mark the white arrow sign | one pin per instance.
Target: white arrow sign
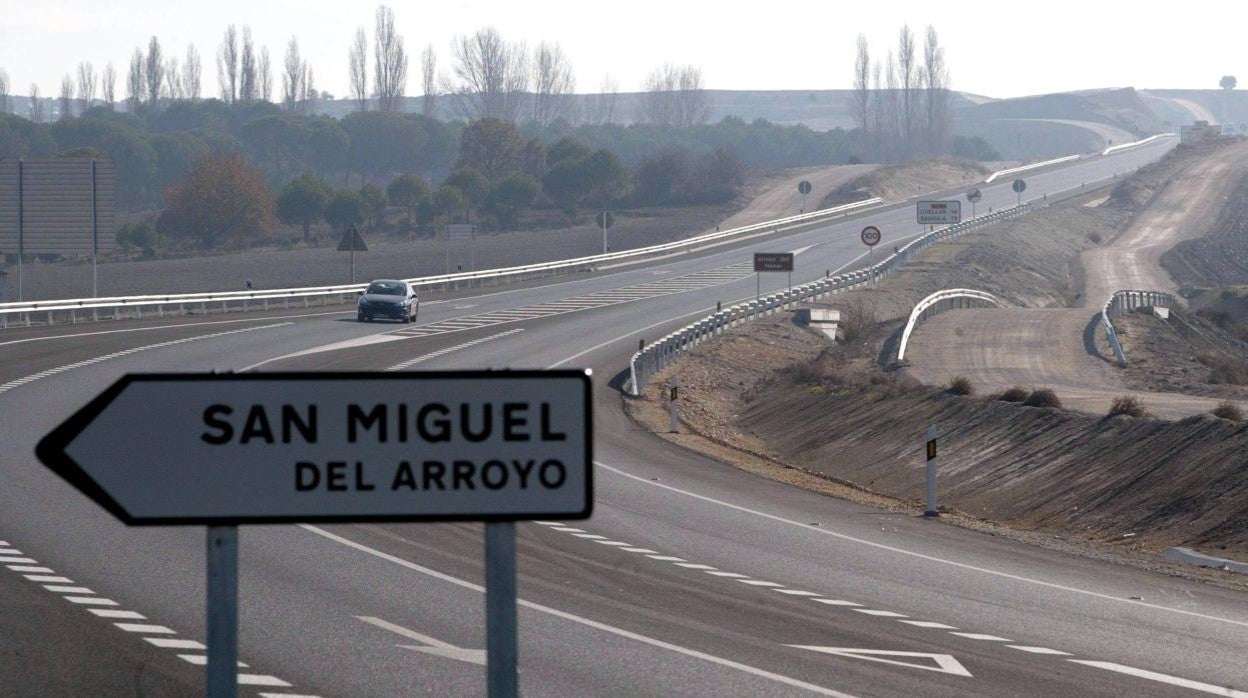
(945, 663)
(429, 645)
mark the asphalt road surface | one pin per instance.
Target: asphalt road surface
(692, 578)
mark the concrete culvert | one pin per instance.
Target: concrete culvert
(1042, 398)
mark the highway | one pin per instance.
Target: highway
(692, 577)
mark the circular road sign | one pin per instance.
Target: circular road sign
(803, 187)
(871, 236)
(1019, 186)
(605, 219)
(974, 196)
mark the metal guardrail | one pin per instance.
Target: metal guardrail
(939, 302)
(660, 354)
(1032, 166)
(1125, 302)
(1133, 144)
(244, 300)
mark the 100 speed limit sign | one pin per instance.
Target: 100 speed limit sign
(871, 236)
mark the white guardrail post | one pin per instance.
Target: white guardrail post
(1128, 301)
(770, 304)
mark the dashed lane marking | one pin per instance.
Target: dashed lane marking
(981, 636)
(1163, 678)
(157, 635)
(1038, 650)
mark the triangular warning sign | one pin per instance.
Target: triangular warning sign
(945, 663)
(352, 242)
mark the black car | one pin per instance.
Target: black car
(388, 298)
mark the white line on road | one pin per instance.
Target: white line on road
(117, 613)
(1038, 650)
(47, 578)
(1164, 678)
(981, 636)
(90, 601)
(447, 350)
(67, 590)
(145, 628)
(875, 612)
(627, 634)
(174, 643)
(28, 568)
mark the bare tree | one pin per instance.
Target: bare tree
(602, 106)
(390, 65)
(936, 105)
(909, 83)
(173, 79)
(108, 85)
(227, 65)
(4, 92)
(154, 71)
(135, 82)
(357, 70)
(892, 135)
(429, 82)
(674, 96)
(86, 84)
(265, 76)
(248, 86)
(66, 97)
(490, 76)
(862, 89)
(309, 97)
(36, 104)
(553, 84)
(293, 76)
(192, 72)
(877, 113)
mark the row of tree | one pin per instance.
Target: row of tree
(901, 105)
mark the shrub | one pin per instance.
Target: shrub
(1128, 406)
(857, 319)
(1042, 398)
(1229, 410)
(1094, 238)
(1015, 394)
(961, 385)
(1224, 370)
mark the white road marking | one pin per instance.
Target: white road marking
(795, 592)
(166, 327)
(590, 536)
(620, 632)
(694, 566)
(261, 680)
(90, 600)
(548, 523)
(46, 578)
(1164, 678)
(981, 636)
(117, 613)
(928, 624)
(882, 614)
(910, 553)
(202, 660)
(67, 590)
(28, 568)
(945, 663)
(174, 643)
(759, 583)
(1038, 650)
(666, 558)
(10, 551)
(611, 542)
(126, 352)
(24, 560)
(441, 352)
(836, 602)
(429, 645)
(569, 529)
(145, 628)
(729, 575)
(286, 695)
(640, 550)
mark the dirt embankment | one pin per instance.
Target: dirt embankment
(1221, 257)
(827, 419)
(900, 182)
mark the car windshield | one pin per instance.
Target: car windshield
(387, 288)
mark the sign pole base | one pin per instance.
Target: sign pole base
(502, 679)
(222, 674)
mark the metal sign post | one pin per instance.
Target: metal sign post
(930, 509)
(350, 242)
(228, 449)
(605, 220)
(1019, 187)
(803, 188)
(673, 391)
(974, 196)
(222, 606)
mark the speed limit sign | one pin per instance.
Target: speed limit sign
(871, 236)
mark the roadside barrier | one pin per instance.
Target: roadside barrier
(939, 302)
(651, 359)
(1125, 302)
(75, 309)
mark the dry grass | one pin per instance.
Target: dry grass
(1127, 405)
(1042, 398)
(1229, 410)
(1015, 394)
(961, 385)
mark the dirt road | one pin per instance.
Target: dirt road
(1062, 348)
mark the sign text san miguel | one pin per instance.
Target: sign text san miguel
(255, 448)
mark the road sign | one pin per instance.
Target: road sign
(1020, 186)
(871, 236)
(352, 241)
(773, 261)
(460, 231)
(974, 196)
(803, 187)
(605, 219)
(226, 449)
(939, 212)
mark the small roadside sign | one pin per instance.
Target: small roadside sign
(974, 196)
(939, 212)
(605, 219)
(773, 261)
(1020, 186)
(460, 231)
(803, 187)
(352, 241)
(871, 236)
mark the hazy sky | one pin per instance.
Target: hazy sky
(995, 49)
